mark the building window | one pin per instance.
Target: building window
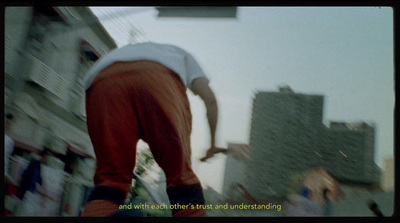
(87, 56)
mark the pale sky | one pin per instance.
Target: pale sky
(345, 54)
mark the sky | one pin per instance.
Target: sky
(342, 53)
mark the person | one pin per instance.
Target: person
(31, 178)
(303, 205)
(328, 204)
(139, 92)
(30, 192)
(8, 144)
(309, 205)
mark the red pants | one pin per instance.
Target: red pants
(144, 100)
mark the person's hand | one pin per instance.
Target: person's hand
(211, 152)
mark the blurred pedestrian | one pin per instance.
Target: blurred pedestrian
(302, 205)
(139, 92)
(31, 177)
(310, 207)
(8, 144)
(30, 191)
(327, 207)
(306, 192)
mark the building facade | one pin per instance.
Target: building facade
(288, 138)
(47, 53)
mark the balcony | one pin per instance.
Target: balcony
(46, 77)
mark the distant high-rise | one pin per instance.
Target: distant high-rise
(288, 137)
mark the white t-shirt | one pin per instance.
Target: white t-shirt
(175, 58)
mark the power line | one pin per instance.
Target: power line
(117, 24)
(134, 31)
(104, 17)
(123, 23)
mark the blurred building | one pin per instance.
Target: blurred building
(47, 52)
(288, 138)
(349, 152)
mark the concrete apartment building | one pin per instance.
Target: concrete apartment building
(47, 52)
(288, 138)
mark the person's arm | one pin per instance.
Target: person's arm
(200, 87)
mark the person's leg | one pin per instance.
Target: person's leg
(165, 122)
(113, 129)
